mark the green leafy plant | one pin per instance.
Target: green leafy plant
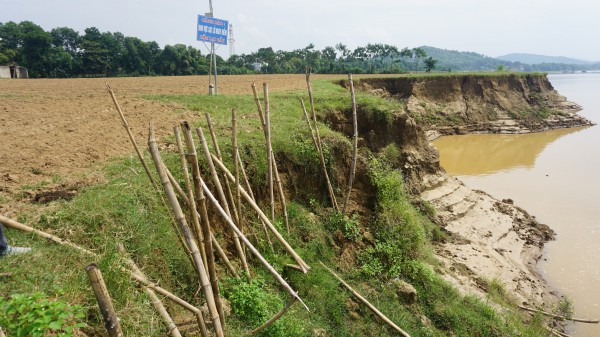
(350, 226)
(37, 315)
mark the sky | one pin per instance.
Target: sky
(493, 28)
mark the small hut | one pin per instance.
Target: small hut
(13, 71)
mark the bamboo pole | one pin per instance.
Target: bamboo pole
(318, 141)
(198, 263)
(6, 274)
(2, 332)
(172, 297)
(354, 145)
(109, 315)
(288, 248)
(369, 305)
(274, 318)
(213, 240)
(273, 161)
(252, 249)
(192, 206)
(215, 176)
(200, 202)
(269, 147)
(19, 226)
(156, 303)
(133, 142)
(247, 182)
(236, 165)
(562, 318)
(213, 137)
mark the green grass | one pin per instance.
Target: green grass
(125, 209)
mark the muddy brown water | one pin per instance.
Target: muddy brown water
(555, 176)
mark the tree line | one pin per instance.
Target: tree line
(64, 52)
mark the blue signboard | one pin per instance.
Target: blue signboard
(212, 30)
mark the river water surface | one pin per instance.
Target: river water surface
(555, 176)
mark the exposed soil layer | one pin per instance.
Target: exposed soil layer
(462, 104)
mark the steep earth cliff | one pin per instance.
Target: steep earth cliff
(489, 239)
(495, 103)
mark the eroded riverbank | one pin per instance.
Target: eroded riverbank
(553, 176)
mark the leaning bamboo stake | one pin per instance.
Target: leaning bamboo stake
(198, 263)
(288, 248)
(252, 249)
(236, 165)
(156, 303)
(192, 157)
(274, 318)
(2, 332)
(354, 145)
(264, 128)
(213, 137)
(133, 142)
(109, 315)
(215, 176)
(247, 182)
(562, 318)
(369, 305)
(269, 147)
(213, 240)
(19, 226)
(318, 141)
(192, 206)
(273, 161)
(173, 298)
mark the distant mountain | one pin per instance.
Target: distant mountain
(463, 61)
(453, 60)
(538, 59)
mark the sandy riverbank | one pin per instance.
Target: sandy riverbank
(489, 240)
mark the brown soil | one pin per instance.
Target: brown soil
(53, 129)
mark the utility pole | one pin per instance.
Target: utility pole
(231, 41)
(212, 89)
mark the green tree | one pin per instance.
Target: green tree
(430, 64)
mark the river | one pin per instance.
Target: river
(555, 176)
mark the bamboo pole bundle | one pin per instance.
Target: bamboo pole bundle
(133, 142)
(287, 247)
(215, 243)
(369, 305)
(217, 182)
(19, 226)
(109, 315)
(267, 125)
(354, 145)
(274, 318)
(192, 206)
(252, 249)
(197, 259)
(213, 137)
(318, 142)
(200, 202)
(261, 114)
(156, 303)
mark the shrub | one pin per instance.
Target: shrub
(36, 315)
